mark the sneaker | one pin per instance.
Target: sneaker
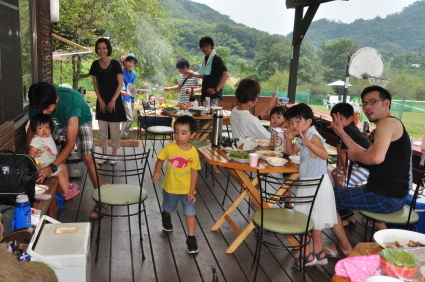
(102, 160)
(113, 160)
(192, 245)
(71, 194)
(166, 223)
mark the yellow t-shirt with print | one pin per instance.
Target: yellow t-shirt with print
(179, 168)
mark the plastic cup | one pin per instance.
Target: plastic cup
(253, 159)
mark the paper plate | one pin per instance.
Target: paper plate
(195, 67)
(239, 160)
(131, 89)
(40, 189)
(276, 161)
(388, 236)
(267, 154)
(295, 159)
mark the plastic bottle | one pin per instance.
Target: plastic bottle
(22, 212)
(423, 140)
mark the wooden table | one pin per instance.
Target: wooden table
(217, 156)
(205, 124)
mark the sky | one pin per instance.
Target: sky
(272, 15)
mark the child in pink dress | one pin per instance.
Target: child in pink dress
(43, 147)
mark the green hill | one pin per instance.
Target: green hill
(398, 33)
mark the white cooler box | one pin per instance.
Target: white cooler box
(65, 247)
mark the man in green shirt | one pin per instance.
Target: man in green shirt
(71, 116)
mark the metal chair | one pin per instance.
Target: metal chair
(406, 216)
(281, 221)
(119, 193)
(155, 126)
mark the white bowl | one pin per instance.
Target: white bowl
(387, 236)
(216, 108)
(382, 279)
(40, 189)
(295, 159)
(276, 161)
(263, 142)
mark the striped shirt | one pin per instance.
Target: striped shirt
(190, 82)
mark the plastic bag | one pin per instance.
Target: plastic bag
(400, 264)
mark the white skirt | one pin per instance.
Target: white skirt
(324, 209)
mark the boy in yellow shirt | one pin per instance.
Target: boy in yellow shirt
(180, 177)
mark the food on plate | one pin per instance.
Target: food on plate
(269, 154)
(239, 155)
(169, 109)
(396, 244)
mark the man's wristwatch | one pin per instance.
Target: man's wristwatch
(53, 167)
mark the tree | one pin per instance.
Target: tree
(133, 26)
(334, 57)
(273, 55)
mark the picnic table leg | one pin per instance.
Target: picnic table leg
(229, 211)
(240, 238)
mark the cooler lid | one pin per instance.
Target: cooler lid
(420, 201)
(64, 239)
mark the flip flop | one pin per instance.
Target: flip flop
(332, 254)
(73, 186)
(71, 194)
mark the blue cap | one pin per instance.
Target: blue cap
(131, 57)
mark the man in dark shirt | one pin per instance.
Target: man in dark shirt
(213, 72)
(389, 161)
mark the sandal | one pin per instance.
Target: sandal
(331, 254)
(73, 186)
(306, 262)
(71, 194)
(321, 261)
(98, 211)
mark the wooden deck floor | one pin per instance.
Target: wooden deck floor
(166, 255)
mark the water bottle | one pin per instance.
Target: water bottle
(217, 127)
(22, 212)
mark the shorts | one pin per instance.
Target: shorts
(84, 142)
(170, 202)
(361, 198)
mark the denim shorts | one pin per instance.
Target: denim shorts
(170, 202)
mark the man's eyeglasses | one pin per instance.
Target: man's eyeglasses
(258, 98)
(372, 102)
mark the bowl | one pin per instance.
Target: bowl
(386, 238)
(276, 161)
(216, 108)
(295, 159)
(398, 263)
(40, 189)
(263, 142)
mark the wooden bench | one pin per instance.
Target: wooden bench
(50, 204)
